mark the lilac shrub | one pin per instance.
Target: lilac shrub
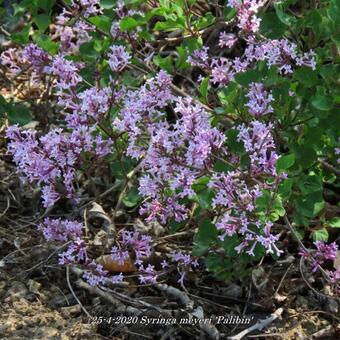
(217, 150)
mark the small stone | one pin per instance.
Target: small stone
(17, 289)
(48, 332)
(31, 297)
(234, 290)
(331, 306)
(71, 310)
(34, 286)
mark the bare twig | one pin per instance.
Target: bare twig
(74, 294)
(175, 293)
(282, 279)
(329, 167)
(108, 297)
(323, 332)
(258, 326)
(6, 209)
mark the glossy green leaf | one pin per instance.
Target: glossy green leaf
(285, 162)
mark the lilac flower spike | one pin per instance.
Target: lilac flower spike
(118, 58)
(58, 230)
(199, 58)
(227, 40)
(259, 100)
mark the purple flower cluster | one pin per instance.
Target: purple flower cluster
(95, 275)
(334, 276)
(12, 60)
(280, 53)
(118, 58)
(60, 230)
(259, 144)
(140, 108)
(259, 100)
(235, 197)
(122, 11)
(31, 59)
(66, 72)
(222, 71)
(227, 40)
(35, 57)
(184, 263)
(94, 103)
(52, 160)
(87, 7)
(71, 36)
(148, 274)
(324, 252)
(141, 244)
(75, 253)
(246, 14)
(119, 255)
(238, 201)
(199, 58)
(176, 156)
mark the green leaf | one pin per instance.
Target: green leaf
(181, 61)
(206, 235)
(88, 51)
(44, 42)
(277, 210)
(102, 22)
(128, 24)
(233, 143)
(203, 89)
(334, 222)
(229, 245)
(107, 4)
(263, 201)
(164, 63)
(321, 100)
(214, 262)
(175, 226)
(170, 25)
(320, 235)
(333, 12)
(42, 21)
(132, 198)
(228, 95)
(305, 155)
(204, 198)
(285, 162)
(306, 76)
(245, 78)
(309, 205)
(285, 188)
(310, 184)
(271, 26)
(22, 37)
(207, 232)
(318, 207)
(18, 114)
(284, 17)
(46, 5)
